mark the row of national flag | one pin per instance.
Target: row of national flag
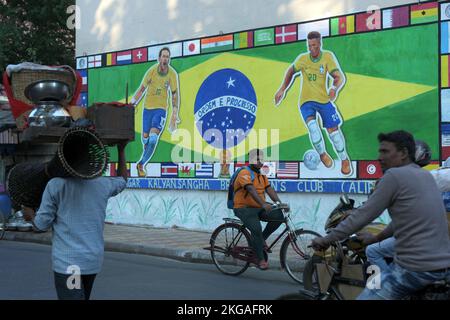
(445, 45)
(367, 170)
(288, 170)
(445, 81)
(354, 23)
(83, 98)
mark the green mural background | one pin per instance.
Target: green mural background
(392, 83)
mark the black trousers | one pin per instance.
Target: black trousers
(65, 292)
(251, 218)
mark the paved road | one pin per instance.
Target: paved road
(25, 273)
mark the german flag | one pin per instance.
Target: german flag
(343, 25)
(423, 13)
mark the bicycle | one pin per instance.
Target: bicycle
(232, 254)
(341, 277)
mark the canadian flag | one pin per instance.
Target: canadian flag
(191, 47)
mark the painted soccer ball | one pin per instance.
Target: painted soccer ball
(311, 159)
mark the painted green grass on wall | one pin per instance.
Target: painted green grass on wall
(372, 53)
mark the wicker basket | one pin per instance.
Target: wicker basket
(81, 154)
(21, 80)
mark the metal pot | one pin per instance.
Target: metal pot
(49, 114)
(48, 90)
(24, 227)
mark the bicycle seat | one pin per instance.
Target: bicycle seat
(231, 220)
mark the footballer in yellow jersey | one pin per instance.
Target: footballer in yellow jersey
(158, 85)
(159, 82)
(316, 97)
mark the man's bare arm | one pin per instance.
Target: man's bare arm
(254, 194)
(122, 167)
(338, 81)
(286, 82)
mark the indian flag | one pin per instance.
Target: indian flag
(243, 40)
(343, 25)
(445, 71)
(215, 44)
(423, 13)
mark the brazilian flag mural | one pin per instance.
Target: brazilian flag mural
(226, 96)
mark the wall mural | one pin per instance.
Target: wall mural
(205, 210)
(314, 95)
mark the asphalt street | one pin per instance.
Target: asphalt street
(25, 273)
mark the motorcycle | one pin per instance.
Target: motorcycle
(339, 273)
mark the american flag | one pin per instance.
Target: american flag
(287, 170)
(204, 170)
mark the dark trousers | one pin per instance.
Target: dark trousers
(251, 218)
(65, 293)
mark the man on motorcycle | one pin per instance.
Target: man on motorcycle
(422, 245)
(382, 245)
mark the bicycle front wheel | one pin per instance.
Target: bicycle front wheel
(295, 253)
(225, 239)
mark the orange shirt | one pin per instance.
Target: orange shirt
(242, 198)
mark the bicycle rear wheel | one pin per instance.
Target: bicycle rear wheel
(224, 240)
(294, 254)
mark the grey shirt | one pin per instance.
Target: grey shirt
(76, 210)
(419, 220)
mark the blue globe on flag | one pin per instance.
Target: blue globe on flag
(311, 159)
(225, 108)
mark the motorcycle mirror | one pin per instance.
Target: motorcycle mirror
(345, 200)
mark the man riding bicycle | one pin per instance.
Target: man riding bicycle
(251, 207)
(419, 222)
